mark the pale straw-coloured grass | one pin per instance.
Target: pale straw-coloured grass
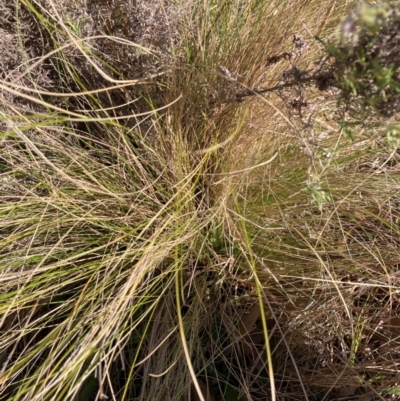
(156, 238)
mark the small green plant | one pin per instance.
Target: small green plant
(366, 64)
(318, 195)
(76, 25)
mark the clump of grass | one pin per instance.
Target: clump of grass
(161, 241)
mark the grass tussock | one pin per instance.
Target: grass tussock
(161, 240)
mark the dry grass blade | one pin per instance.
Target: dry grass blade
(182, 213)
